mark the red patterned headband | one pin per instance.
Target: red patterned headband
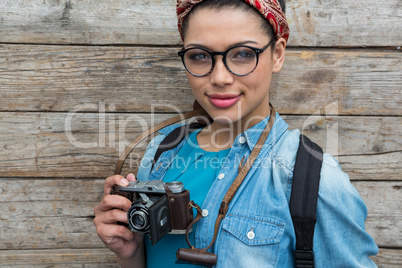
(270, 9)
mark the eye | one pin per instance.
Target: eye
(198, 55)
(242, 54)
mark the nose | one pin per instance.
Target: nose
(220, 75)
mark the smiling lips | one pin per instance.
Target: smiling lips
(224, 100)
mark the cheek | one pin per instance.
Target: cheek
(262, 74)
(265, 63)
(196, 84)
(258, 80)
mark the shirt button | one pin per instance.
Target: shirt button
(251, 234)
(204, 213)
(221, 176)
(242, 140)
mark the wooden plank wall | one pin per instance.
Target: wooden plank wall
(80, 78)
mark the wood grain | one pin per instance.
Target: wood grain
(38, 144)
(74, 258)
(142, 79)
(388, 258)
(384, 211)
(314, 23)
(49, 213)
(93, 258)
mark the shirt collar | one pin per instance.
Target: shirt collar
(253, 134)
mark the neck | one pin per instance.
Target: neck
(219, 136)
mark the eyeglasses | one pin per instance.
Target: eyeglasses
(239, 60)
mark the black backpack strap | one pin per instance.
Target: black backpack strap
(303, 199)
(175, 137)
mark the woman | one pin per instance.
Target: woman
(231, 49)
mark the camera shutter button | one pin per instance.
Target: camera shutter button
(204, 213)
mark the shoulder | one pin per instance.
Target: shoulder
(334, 182)
(333, 179)
(166, 130)
(148, 158)
(338, 200)
(334, 186)
(162, 134)
(285, 149)
(337, 196)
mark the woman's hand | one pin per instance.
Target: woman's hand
(112, 209)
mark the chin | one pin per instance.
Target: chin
(225, 122)
(224, 119)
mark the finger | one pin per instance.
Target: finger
(130, 177)
(112, 181)
(109, 231)
(112, 216)
(109, 202)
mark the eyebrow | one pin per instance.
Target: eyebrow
(232, 45)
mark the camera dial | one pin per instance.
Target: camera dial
(176, 187)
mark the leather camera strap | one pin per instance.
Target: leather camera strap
(153, 129)
(244, 169)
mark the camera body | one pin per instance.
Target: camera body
(158, 208)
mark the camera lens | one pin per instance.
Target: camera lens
(138, 219)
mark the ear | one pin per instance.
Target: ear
(279, 55)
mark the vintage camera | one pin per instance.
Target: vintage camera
(158, 208)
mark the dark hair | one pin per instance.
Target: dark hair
(234, 4)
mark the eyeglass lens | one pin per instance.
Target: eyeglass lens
(239, 60)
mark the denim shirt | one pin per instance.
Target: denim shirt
(258, 230)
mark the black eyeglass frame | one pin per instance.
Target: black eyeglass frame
(257, 52)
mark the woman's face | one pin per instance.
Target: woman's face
(226, 97)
